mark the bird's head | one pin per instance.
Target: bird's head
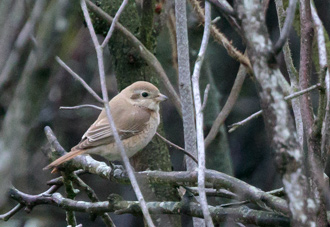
(144, 94)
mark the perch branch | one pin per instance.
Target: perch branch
(116, 204)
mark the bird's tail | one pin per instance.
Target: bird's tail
(68, 156)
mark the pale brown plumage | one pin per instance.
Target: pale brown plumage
(135, 111)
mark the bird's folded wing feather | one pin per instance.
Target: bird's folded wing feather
(128, 121)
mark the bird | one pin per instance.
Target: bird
(135, 111)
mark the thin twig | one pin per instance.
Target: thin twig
(80, 106)
(12, 212)
(234, 93)
(223, 6)
(93, 197)
(222, 39)
(113, 24)
(206, 95)
(298, 93)
(129, 169)
(151, 60)
(285, 31)
(77, 77)
(215, 20)
(18, 207)
(234, 126)
(200, 117)
(177, 147)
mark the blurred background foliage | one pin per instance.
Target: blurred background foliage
(33, 87)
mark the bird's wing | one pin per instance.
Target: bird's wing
(128, 119)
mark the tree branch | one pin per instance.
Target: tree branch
(200, 116)
(213, 178)
(293, 75)
(93, 197)
(223, 6)
(221, 38)
(113, 24)
(116, 204)
(285, 31)
(234, 93)
(80, 106)
(177, 147)
(234, 126)
(77, 77)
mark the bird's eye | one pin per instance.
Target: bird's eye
(145, 94)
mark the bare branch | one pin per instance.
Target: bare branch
(80, 162)
(224, 6)
(119, 206)
(206, 95)
(285, 31)
(21, 205)
(177, 147)
(299, 93)
(214, 179)
(12, 212)
(222, 39)
(80, 106)
(113, 24)
(129, 168)
(234, 93)
(200, 117)
(77, 77)
(293, 75)
(93, 197)
(234, 126)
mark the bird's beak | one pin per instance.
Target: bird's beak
(161, 98)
